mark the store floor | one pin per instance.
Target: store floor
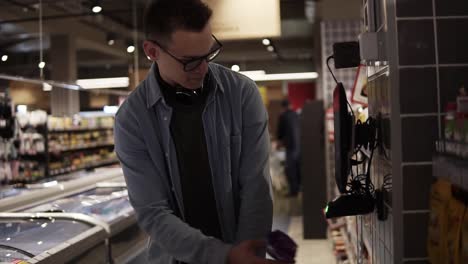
(288, 218)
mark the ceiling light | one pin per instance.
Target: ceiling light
(40, 82)
(46, 87)
(96, 7)
(271, 48)
(253, 74)
(266, 42)
(235, 68)
(119, 82)
(41, 65)
(110, 109)
(259, 72)
(130, 49)
(111, 39)
(4, 57)
(261, 76)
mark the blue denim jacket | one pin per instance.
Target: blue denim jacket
(236, 129)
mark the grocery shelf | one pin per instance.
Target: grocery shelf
(348, 246)
(83, 147)
(79, 129)
(89, 166)
(33, 156)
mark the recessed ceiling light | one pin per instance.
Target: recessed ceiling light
(130, 49)
(96, 8)
(235, 68)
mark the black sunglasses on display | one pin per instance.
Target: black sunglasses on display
(192, 64)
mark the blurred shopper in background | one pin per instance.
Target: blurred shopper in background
(193, 143)
(289, 137)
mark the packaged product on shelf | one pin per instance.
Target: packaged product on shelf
(37, 118)
(5, 172)
(32, 119)
(80, 122)
(459, 132)
(31, 143)
(462, 103)
(449, 121)
(438, 221)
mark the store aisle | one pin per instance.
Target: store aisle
(288, 218)
(311, 251)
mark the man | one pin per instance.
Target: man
(193, 143)
(288, 135)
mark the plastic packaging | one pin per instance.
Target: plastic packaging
(450, 121)
(281, 247)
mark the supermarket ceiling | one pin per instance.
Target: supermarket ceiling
(20, 38)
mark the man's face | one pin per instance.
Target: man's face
(185, 46)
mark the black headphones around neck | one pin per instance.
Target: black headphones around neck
(188, 96)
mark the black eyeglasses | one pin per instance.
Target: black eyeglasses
(192, 64)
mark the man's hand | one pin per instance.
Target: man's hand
(244, 253)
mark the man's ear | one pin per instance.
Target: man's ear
(152, 50)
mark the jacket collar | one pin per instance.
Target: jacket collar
(153, 89)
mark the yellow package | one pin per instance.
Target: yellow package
(437, 243)
(464, 239)
(456, 212)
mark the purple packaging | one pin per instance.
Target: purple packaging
(281, 247)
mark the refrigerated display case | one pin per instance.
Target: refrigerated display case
(14, 199)
(103, 203)
(51, 238)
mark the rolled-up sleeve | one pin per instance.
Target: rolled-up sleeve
(256, 206)
(149, 198)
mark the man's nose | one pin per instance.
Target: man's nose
(202, 68)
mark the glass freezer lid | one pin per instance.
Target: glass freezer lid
(8, 255)
(107, 204)
(10, 192)
(34, 236)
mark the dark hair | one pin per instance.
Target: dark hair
(285, 103)
(164, 17)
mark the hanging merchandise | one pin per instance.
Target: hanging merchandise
(32, 119)
(438, 221)
(456, 211)
(7, 119)
(464, 240)
(450, 121)
(32, 143)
